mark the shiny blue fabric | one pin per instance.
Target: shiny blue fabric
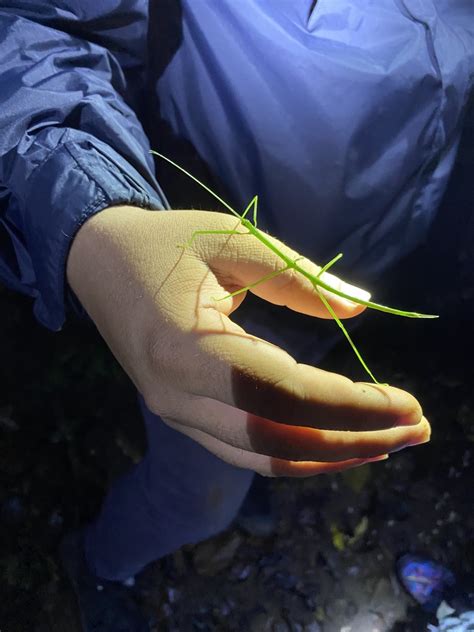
(70, 144)
(343, 116)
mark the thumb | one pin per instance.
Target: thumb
(263, 268)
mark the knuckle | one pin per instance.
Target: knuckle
(288, 280)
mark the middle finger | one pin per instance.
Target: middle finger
(297, 443)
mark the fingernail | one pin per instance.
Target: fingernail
(374, 459)
(414, 443)
(356, 292)
(421, 442)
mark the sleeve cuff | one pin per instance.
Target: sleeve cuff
(78, 179)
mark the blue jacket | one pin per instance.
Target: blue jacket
(343, 115)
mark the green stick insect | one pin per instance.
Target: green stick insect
(315, 280)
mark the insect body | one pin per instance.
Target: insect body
(316, 280)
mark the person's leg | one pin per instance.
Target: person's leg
(179, 494)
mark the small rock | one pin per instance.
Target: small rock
(284, 580)
(353, 571)
(340, 608)
(6, 421)
(307, 517)
(224, 609)
(215, 555)
(241, 572)
(311, 602)
(56, 519)
(202, 626)
(13, 509)
(270, 560)
(262, 622)
(173, 594)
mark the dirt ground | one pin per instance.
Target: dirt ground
(69, 425)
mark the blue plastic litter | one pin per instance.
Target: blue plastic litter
(425, 580)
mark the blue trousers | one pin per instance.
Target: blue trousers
(179, 494)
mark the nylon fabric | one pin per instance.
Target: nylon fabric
(344, 119)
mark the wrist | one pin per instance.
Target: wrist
(89, 253)
(94, 233)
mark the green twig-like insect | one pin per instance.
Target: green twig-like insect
(315, 280)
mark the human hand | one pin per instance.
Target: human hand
(242, 398)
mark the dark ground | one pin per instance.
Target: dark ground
(68, 426)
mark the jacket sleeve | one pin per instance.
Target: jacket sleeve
(69, 147)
